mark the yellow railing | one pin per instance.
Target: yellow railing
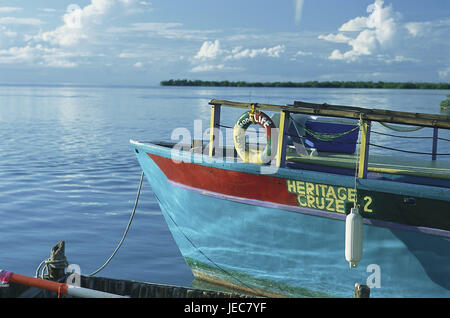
(364, 115)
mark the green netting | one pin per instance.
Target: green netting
(328, 137)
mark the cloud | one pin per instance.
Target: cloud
(37, 54)
(300, 54)
(303, 53)
(356, 24)
(55, 48)
(156, 27)
(213, 51)
(209, 50)
(396, 59)
(444, 73)
(208, 68)
(9, 9)
(337, 38)
(214, 67)
(128, 55)
(382, 37)
(47, 10)
(168, 30)
(377, 32)
(239, 53)
(23, 21)
(420, 29)
(15, 54)
(97, 31)
(79, 22)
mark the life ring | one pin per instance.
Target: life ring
(246, 153)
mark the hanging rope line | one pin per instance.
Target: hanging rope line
(444, 139)
(334, 141)
(398, 128)
(126, 230)
(409, 137)
(408, 151)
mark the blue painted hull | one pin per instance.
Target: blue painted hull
(276, 252)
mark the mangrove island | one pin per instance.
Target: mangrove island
(309, 84)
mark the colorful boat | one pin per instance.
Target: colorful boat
(307, 212)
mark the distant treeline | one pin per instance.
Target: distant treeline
(311, 84)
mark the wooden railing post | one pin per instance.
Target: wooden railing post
(215, 125)
(435, 139)
(281, 145)
(364, 149)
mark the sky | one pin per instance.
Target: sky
(134, 42)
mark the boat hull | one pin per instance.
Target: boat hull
(264, 235)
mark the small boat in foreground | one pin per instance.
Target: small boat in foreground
(306, 211)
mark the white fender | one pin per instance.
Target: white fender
(353, 237)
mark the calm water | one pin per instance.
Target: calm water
(67, 171)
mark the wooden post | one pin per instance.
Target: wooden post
(364, 150)
(281, 145)
(57, 261)
(361, 291)
(215, 122)
(435, 139)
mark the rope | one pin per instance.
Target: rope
(410, 137)
(408, 151)
(445, 139)
(252, 114)
(62, 263)
(223, 126)
(126, 230)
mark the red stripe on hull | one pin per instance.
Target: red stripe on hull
(228, 182)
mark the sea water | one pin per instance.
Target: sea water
(68, 172)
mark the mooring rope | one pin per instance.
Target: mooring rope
(49, 263)
(126, 230)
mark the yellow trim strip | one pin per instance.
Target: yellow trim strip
(280, 139)
(362, 169)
